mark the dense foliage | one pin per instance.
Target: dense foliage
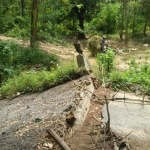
(105, 62)
(66, 18)
(94, 44)
(60, 20)
(14, 59)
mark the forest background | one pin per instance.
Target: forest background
(61, 21)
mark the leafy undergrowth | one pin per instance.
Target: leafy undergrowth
(15, 59)
(34, 81)
(137, 75)
(133, 76)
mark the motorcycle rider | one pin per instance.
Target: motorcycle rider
(103, 44)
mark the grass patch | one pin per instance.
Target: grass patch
(33, 81)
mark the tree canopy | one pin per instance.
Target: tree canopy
(68, 18)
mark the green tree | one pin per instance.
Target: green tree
(34, 20)
(146, 12)
(22, 7)
(85, 10)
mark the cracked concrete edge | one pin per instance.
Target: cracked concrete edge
(83, 107)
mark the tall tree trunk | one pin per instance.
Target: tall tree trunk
(127, 21)
(22, 5)
(81, 16)
(121, 28)
(133, 22)
(145, 25)
(146, 8)
(133, 27)
(34, 18)
(81, 25)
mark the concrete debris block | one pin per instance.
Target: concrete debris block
(80, 61)
(129, 116)
(83, 62)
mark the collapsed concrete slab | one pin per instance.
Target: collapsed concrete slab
(83, 107)
(130, 115)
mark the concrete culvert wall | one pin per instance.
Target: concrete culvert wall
(94, 44)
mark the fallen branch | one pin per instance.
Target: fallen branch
(133, 102)
(129, 99)
(108, 115)
(58, 140)
(128, 134)
(125, 101)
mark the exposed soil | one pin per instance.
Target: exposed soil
(89, 136)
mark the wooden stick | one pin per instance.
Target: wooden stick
(108, 114)
(58, 140)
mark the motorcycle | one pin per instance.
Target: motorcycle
(104, 47)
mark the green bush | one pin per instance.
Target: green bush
(29, 57)
(14, 59)
(119, 80)
(6, 61)
(136, 74)
(105, 62)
